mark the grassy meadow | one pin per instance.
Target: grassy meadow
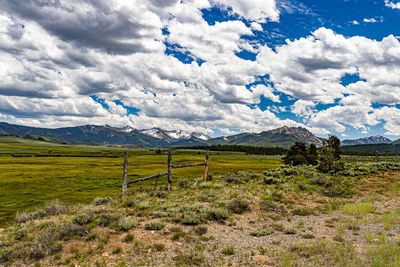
(254, 212)
(33, 172)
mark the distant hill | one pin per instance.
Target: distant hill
(396, 142)
(93, 134)
(367, 141)
(280, 137)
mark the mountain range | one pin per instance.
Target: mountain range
(372, 140)
(105, 134)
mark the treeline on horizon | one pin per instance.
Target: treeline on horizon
(356, 150)
(254, 150)
(371, 150)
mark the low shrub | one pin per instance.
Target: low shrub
(258, 233)
(308, 236)
(238, 206)
(301, 212)
(23, 217)
(56, 208)
(157, 193)
(154, 226)
(268, 205)
(109, 219)
(84, 218)
(6, 255)
(218, 214)
(126, 223)
(130, 203)
(69, 231)
(290, 231)
(183, 183)
(191, 259)
(102, 201)
(272, 180)
(159, 247)
(91, 237)
(190, 219)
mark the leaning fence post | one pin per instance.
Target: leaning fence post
(206, 168)
(169, 169)
(125, 175)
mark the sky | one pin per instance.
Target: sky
(214, 66)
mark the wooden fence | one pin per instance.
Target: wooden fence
(125, 181)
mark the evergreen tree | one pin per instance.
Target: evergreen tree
(329, 159)
(297, 155)
(313, 155)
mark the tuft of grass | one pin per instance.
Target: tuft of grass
(91, 237)
(201, 230)
(358, 208)
(308, 236)
(128, 238)
(228, 251)
(338, 238)
(159, 247)
(117, 250)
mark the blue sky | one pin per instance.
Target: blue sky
(218, 67)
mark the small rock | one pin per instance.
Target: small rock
(105, 254)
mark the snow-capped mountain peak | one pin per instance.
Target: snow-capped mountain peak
(173, 135)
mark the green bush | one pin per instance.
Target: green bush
(290, 231)
(127, 223)
(23, 217)
(56, 208)
(154, 226)
(218, 214)
(84, 218)
(102, 201)
(238, 206)
(190, 219)
(68, 231)
(261, 233)
(109, 219)
(301, 212)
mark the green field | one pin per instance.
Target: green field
(33, 172)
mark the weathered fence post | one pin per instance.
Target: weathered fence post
(206, 168)
(169, 169)
(125, 175)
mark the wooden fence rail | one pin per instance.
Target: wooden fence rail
(168, 173)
